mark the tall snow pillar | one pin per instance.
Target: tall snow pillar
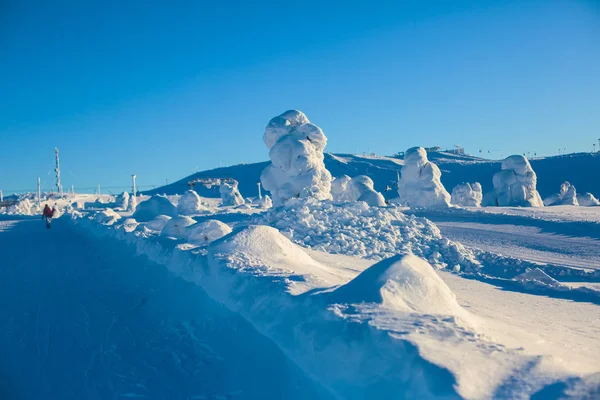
(259, 192)
(134, 188)
(1, 196)
(57, 170)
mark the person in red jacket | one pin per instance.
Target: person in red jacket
(48, 214)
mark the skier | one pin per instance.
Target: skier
(48, 214)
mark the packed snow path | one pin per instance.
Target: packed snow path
(79, 322)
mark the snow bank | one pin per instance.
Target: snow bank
(296, 149)
(537, 277)
(122, 201)
(359, 188)
(587, 200)
(368, 232)
(207, 232)
(467, 195)
(107, 217)
(515, 185)
(158, 223)
(176, 227)
(265, 202)
(191, 204)
(24, 207)
(420, 184)
(230, 195)
(153, 207)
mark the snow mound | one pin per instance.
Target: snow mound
(176, 227)
(537, 277)
(404, 283)
(207, 232)
(153, 207)
(158, 223)
(566, 197)
(230, 195)
(420, 183)
(190, 204)
(297, 169)
(129, 224)
(514, 185)
(359, 188)
(107, 217)
(24, 207)
(467, 195)
(122, 201)
(358, 230)
(265, 202)
(587, 200)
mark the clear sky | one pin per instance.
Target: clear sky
(165, 88)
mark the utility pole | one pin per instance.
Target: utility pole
(1, 196)
(259, 192)
(134, 187)
(57, 170)
(98, 189)
(73, 190)
(39, 193)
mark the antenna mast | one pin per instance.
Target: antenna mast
(57, 170)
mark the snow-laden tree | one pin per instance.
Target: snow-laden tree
(230, 195)
(265, 202)
(359, 188)
(467, 195)
(122, 201)
(190, 204)
(587, 200)
(515, 185)
(296, 149)
(420, 183)
(153, 207)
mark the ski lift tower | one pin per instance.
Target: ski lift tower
(57, 170)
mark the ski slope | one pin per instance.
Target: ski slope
(83, 318)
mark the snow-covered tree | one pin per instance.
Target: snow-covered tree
(420, 184)
(190, 204)
(467, 195)
(230, 195)
(515, 185)
(296, 149)
(587, 200)
(339, 189)
(359, 188)
(265, 202)
(153, 207)
(122, 201)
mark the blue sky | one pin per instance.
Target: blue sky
(163, 90)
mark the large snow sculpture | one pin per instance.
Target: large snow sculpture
(296, 149)
(190, 204)
(420, 184)
(467, 195)
(230, 195)
(359, 188)
(515, 185)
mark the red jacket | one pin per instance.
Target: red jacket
(48, 212)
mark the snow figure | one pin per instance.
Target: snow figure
(207, 232)
(339, 189)
(467, 195)
(361, 188)
(176, 227)
(566, 197)
(515, 185)
(190, 204)
(296, 149)
(265, 202)
(153, 207)
(230, 195)
(122, 201)
(420, 184)
(587, 200)
(132, 204)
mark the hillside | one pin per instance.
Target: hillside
(581, 169)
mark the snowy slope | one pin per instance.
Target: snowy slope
(580, 169)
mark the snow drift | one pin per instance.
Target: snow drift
(158, 223)
(420, 184)
(190, 204)
(514, 185)
(176, 227)
(153, 207)
(296, 149)
(467, 195)
(207, 232)
(359, 188)
(587, 200)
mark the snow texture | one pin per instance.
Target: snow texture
(265, 202)
(132, 204)
(514, 185)
(176, 227)
(296, 149)
(230, 195)
(420, 183)
(107, 217)
(359, 188)
(122, 201)
(207, 232)
(153, 207)
(191, 204)
(566, 197)
(158, 223)
(467, 195)
(537, 277)
(587, 200)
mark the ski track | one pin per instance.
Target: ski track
(82, 323)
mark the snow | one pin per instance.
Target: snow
(122, 201)
(296, 149)
(176, 227)
(566, 197)
(537, 277)
(153, 207)
(515, 185)
(359, 188)
(467, 195)
(230, 195)
(107, 217)
(207, 232)
(191, 204)
(420, 184)
(265, 202)
(158, 223)
(587, 200)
